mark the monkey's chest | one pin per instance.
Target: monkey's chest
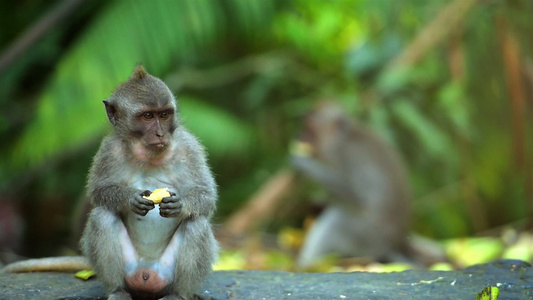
(151, 180)
(150, 234)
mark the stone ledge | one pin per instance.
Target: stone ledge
(514, 279)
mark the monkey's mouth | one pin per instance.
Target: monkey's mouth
(158, 146)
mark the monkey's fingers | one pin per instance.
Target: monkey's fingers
(145, 204)
(169, 213)
(171, 199)
(171, 207)
(141, 206)
(146, 193)
(140, 212)
(171, 203)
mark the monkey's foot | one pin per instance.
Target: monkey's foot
(146, 280)
(119, 295)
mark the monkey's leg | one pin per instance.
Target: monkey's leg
(195, 260)
(105, 251)
(332, 233)
(116, 261)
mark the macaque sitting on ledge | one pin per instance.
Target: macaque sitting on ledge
(148, 234)
(368, 212)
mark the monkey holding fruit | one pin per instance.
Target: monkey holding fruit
(368, 212)
(136, 247)
(143, 240)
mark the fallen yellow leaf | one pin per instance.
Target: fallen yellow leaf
(85, 274)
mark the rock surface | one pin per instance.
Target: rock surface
(513, 278)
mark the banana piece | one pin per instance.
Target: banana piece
(158, 195)
(301, 148)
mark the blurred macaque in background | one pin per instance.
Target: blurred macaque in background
(368, 210)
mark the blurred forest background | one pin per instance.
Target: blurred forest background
(449, 83)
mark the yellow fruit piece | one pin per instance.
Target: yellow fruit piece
(158, 195)
(85, 274)
(301, 148)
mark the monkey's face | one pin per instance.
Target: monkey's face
(143, 111)
(323, 127)
(153, 126)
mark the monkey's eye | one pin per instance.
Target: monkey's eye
(164, 115)
(148, 115)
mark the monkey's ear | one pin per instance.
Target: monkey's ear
(111, 111)
(139, 72)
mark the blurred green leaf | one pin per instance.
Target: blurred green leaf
(470, 251)
(441, 266)
(393, 81)
(431, 137)
(491, 163)
(230, 260)
(322, 31)
(373, 54)
(453, 103)
(221, 133)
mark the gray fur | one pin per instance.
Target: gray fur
(120, 176)
(369, 210)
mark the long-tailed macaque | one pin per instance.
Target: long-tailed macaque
(368, 213)
(138, 248)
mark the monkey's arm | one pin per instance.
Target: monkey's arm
(119, 199)
(324, 175)
(199, 192)
(200, 199)
(104, 189)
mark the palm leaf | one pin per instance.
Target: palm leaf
(219, 131)
(158, 34)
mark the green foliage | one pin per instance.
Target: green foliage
(237, 136)
(373, 54)
(320, 31)
(449, 116)
(430, 137)
(452, 104)
(157, 34)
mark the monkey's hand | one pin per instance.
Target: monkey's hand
(170, 207)
(302, 163)
(140, 205)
